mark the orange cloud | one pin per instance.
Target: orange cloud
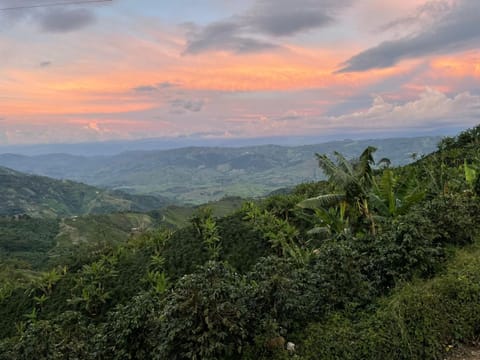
(107, 87)
(448, 74)
(462, 65)
(37, 94)
(93, 82)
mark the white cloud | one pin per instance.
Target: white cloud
(432, 108)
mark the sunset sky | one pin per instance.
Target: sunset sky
(130, 69)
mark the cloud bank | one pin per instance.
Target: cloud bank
(254, 30)
(458, 29)
(62, 19)
(65, 20)
(432, 109)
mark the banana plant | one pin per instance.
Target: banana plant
(283, 237)
(353, 180)
(331, 223)
(391, 198)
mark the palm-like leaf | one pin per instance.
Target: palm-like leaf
(327, 165)
(391, 198)
(386, 190)
(354, 179)
(410, 200)
(364, 169)
(344, 164)
(385, 161)
(321, 231)
(322, 201)
(379, 204)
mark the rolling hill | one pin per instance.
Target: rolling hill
(389, 265)
(201, 174)
(39, 196)
(28, 243)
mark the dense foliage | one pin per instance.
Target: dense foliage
(40, 196)
(375, 263)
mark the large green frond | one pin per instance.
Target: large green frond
(322, 201)
(365, 162)
(410, 200)
(344, 164)
(386, 189)
(327, 165)
(322, 232)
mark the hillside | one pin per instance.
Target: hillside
(373, 263)
(34, 244)
(40, 196)
(201, 174)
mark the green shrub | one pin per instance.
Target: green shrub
(406, 247)
(208, 315)
(130, 330)
(456, 218)
(66, 337)
(419, 321)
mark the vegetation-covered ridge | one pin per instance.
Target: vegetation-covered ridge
(375, 263)
(38, 196)
(29, 245)
(201, 174)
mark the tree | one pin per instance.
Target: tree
(131, 329)
(283, 237)
(91, 285)
(208, 315)
(353, 181)
(207, 229)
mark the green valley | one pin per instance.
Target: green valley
(200, 174)
(240, 180)
(373, 262)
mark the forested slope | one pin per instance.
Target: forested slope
(375, 263)
(30, 245)
(40, 196)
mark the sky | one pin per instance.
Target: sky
(132, 69)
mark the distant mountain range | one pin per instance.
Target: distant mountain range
(201, 174)
(116, 147)
(40, 196)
